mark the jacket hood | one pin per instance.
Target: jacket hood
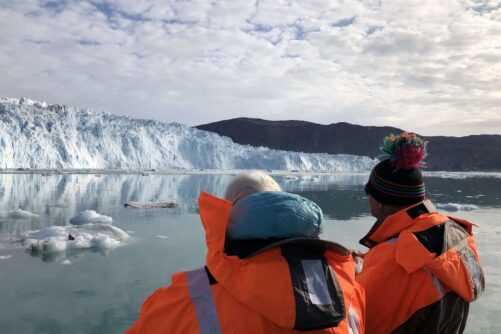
(390, 226)
(263, 281)
(458, 266)
(454, 262)
(274, 214)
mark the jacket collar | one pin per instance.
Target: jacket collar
(214, 213)
(390, 226)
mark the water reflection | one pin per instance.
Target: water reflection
(345, 199)
(102, 294)
(56, 198)
(67, 256)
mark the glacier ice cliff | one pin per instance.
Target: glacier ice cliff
(36, 135)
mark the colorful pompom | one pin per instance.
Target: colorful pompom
(406, 151)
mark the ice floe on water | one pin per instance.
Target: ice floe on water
(462, 175)
(17, 214)
(5, 257)
(162, 237)
(309, 178)
(90, 217)
(456, 207)
(54, 239)
(150, 205)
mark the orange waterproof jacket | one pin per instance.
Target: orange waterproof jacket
(298, 284)
(421, 272)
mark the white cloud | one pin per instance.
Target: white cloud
(426, 66)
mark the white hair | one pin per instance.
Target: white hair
(245, 184)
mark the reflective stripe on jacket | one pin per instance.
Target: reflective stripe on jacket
(295, 285)
(421, 272)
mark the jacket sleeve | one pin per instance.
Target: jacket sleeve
(167, 310)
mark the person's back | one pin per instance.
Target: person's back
(422, 269)
(266, 284)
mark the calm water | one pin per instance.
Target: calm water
(101, 292)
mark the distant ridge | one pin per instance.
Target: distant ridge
(470, 153)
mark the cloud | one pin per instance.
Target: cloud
(425, 66)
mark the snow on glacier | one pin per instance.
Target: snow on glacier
(37, 135)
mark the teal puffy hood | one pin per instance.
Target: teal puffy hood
(274, 215)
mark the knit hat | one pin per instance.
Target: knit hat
(397, 179)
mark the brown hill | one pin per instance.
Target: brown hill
(470, 153)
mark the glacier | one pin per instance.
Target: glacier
(36, 135)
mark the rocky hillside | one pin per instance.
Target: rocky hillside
(471, 153)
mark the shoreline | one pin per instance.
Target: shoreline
(108, 171)
(146, 172)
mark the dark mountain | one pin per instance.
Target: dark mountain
(471, 153)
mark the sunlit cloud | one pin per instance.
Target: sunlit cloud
(426, 66)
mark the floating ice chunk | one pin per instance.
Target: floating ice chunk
(66, 262)
(457, 207)
(90, 217)
(17, 214)
(309, 178)
(291, 178)
(462, 175)
(5, 257)
(55, 239)
(162, 237)
(20, 214)
(150, 205)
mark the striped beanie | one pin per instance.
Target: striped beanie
(397, 179)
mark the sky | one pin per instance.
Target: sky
(427, 66)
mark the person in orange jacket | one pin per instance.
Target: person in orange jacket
(422, 269)
(266, 271)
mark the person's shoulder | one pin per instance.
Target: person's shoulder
(178, 288)
(164, 308)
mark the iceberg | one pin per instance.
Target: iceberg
(90, 217)
(55, 239)
(17, 214)
(452, 207)
(150, 205)
(60, 137)
(309, 178)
